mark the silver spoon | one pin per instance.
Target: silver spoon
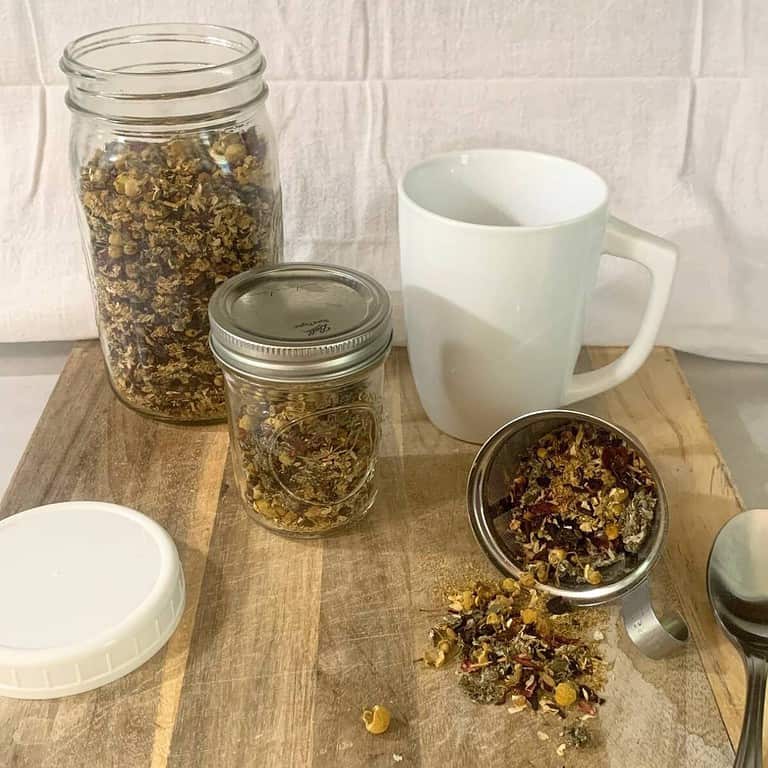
(737, 581)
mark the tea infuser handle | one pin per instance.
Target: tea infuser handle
(654, 636)
(750, 754)
(659, 257)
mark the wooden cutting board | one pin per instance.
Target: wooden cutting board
(283, 642)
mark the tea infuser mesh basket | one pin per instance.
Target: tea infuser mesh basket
(627, 580)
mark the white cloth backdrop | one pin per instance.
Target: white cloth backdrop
(667, 100)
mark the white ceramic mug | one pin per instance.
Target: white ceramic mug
(499, 251)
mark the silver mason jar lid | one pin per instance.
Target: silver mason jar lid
(300, 322)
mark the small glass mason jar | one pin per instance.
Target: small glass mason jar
(302, 348)
(176, 178)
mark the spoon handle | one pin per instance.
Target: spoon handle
(750, 754)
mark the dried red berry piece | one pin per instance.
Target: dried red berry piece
(557, 606)
(518, 486)
(615, 458)
(539, 509)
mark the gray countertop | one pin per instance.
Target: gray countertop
(733, 398)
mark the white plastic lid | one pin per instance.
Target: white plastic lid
(88, 592)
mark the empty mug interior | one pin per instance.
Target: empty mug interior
(490, 477)
(505, 188)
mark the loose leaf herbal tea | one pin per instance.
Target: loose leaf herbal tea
(581, 500)
(513, 646)
(305, 455)
(168, 222)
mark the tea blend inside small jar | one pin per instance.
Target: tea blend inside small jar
(302, 348)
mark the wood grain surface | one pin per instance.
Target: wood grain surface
(284, 642)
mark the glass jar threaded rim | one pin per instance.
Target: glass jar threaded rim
(196, 72)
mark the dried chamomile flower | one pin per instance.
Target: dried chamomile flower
(565, 694)
(529, 615)
(444, 640)
(434, 658)
(592, 575)
(377, 719)
(511, 586)
(527, 580)
(556, 555)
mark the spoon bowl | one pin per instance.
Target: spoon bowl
(737, 582)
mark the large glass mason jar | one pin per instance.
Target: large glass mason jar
(176, 179)
(302, 348)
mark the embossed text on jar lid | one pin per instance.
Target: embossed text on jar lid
(300, 322)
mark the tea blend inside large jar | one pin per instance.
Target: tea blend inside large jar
(176, 177)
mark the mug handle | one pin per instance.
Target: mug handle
(659, 257)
